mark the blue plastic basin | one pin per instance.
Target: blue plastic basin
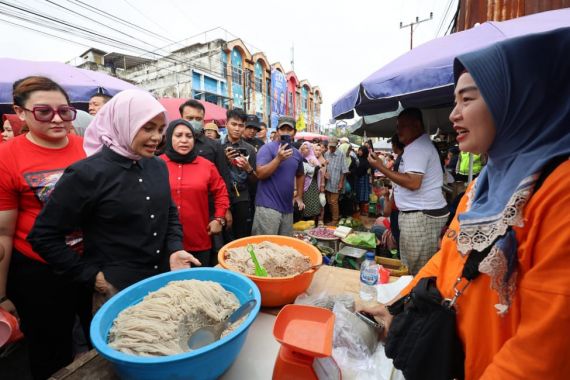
(208, 362)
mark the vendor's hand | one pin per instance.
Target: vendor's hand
(229, 219)
(381, 315)
(182, 260)
(101, 284)
(214, 227)
(9, 307)
(300, 203)
(340, 186)
(231, 153)
(284, 153)
(243, 163)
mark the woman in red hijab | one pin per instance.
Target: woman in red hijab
(11, 126)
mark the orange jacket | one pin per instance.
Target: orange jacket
(532, 341)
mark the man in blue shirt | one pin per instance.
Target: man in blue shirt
(279, 172)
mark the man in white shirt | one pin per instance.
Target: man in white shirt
(417, 191)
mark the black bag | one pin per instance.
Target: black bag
(423, 340)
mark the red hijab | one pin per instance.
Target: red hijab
(15, 122)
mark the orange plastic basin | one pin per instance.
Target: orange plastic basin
(278, 291)
(305, 329)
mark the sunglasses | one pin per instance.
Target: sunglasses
(46, 113)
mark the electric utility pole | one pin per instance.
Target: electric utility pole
(412, 24)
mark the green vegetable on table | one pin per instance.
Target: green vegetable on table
(362, 239)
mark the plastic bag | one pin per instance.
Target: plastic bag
(325, 300)
(323, 199)
(356, 351)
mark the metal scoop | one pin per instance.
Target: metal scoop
(209, 334)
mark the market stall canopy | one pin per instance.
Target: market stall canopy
(423, 77)
(80, 84)
(384, 124)
(214, 112)
(309, 136)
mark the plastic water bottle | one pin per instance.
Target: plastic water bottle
(368, 278)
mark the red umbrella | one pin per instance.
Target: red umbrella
(309, 136)
(214, 112)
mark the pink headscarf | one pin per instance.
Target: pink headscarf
(118, 121)
(313, 161)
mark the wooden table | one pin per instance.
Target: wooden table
(333, 280)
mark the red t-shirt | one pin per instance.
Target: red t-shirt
(28, 175)
(190, 185)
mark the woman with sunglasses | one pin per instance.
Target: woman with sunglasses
(31, 164)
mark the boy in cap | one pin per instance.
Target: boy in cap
(279, 171)
(211, 131)
(251, 129)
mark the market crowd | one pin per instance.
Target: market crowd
(91, 203)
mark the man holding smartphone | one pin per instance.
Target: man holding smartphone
(280, 171)
(242, 160)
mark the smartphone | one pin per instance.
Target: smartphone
(286, 140)
(243, 152)
(369, 320)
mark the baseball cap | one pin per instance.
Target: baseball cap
(252, 121)
(333, 141)
(285, 120)
(344, 140)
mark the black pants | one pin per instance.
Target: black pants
(242, 220)
(47, 305)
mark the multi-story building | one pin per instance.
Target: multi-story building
(223, 72)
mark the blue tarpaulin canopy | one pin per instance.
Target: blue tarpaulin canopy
(423, 77)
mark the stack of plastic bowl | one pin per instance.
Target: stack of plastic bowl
(208, 362)
(278, 291)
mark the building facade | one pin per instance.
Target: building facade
(222, 72)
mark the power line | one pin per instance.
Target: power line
(149, 19)
(443, 18)
(45, 33)
(122, 21)
(59, 25)
(96, 21)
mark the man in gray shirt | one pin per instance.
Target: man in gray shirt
(336, 170)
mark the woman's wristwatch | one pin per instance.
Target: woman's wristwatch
(222, 221)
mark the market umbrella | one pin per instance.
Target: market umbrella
(384, 124)
(423, 77)
(214, 112)
(80, 84)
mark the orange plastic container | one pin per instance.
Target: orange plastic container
(278, 291)
(9, 328)
(305, 333)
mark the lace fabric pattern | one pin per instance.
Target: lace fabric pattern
(495, 266)
(480, 233)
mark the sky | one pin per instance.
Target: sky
(336, 43)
